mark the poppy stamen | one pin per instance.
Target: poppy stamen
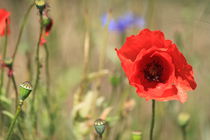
(153, 72)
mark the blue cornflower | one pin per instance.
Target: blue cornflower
(123, 22)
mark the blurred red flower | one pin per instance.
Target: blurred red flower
(47, 23)
(156, 67)
(4, 20)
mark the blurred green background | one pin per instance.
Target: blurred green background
(78, 22)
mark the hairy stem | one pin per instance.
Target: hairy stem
(16, 90)
(38, 65)
(11, 127)
(47, 68)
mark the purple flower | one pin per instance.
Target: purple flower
(123, 22)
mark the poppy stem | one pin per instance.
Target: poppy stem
(38, 66)
(21, 30)
(184, 134)
(18, 42)
(37, 60)
(16, 90)
(3, 57)
(47, 69)
(46, 96)
(11, 127)
(152, 120)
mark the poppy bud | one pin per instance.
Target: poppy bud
(136, 135)
(46, 20)
(25, 90)
(8, 62)
(183, 119)
(41, 5)
(100, 126)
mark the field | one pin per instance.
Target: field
(66, 49)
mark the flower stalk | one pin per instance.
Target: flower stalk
(4, 55)
(12, 77)
(16, 90)
(11, 127)
(37, 60)
(152, 120)
(21, 30)
(47, 68)
(184, 133)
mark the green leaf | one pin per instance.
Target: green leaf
(8, 114)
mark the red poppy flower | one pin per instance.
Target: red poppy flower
(156, 67)
(4, 20)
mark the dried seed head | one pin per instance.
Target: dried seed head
(25, 90)
(41, 5)
(100, 126)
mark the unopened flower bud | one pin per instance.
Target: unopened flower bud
(100, 126)
(136, 135)
(25, 90)
(183, 119)
(46, 20)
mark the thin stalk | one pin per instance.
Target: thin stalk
(46, 96)
(150, 13)
(152, 120)
(21, 30)
(11, 127)
(19, 38)
(16, 90)
(184, 133)
(8, 85)
(47, 68)
(86, 53)
(38, 65)
(37, 61)
(3, 57)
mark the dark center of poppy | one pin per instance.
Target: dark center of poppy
(153, 71)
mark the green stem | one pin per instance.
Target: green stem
(16, 90)
(3, 57)
(19, 38)
(21, 30)
(8, 85)
(38, 64)
(11, 127)
(184, 134)
(153, 120)
(47, 68)
(37, 61)
(150, 13)
(46, 96)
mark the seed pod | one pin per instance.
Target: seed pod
(25, 90)
(183, 119)
(100, 126)
(8, 62)
(41, 5)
